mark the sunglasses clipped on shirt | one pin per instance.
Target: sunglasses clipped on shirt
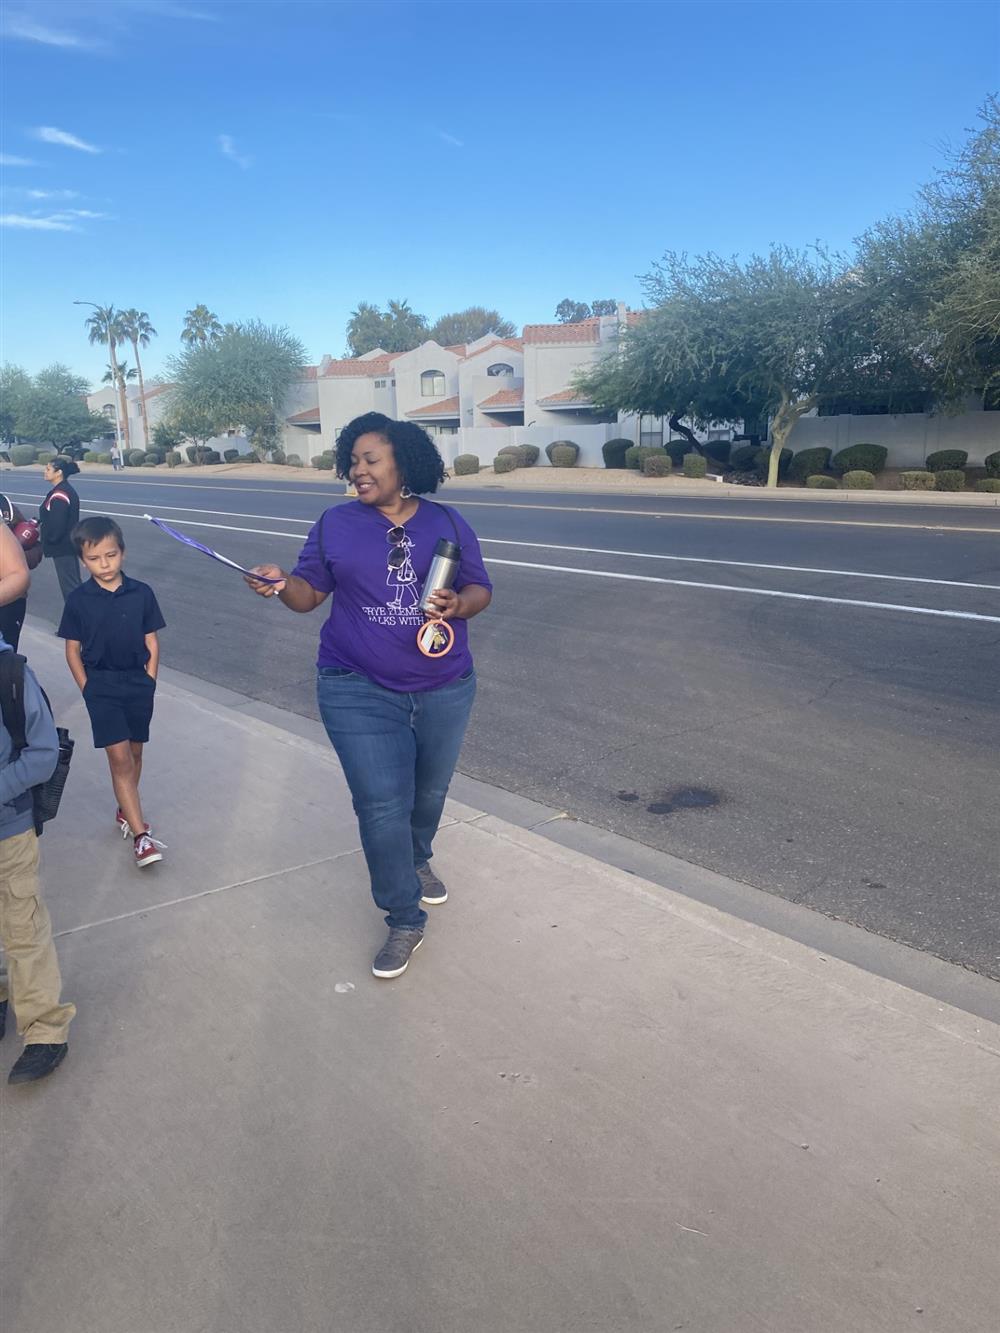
(397, 551)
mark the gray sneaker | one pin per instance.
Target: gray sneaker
(394, 956)
(431, 889)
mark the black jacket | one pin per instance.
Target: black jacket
(58, 515)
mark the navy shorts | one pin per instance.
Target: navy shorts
(120, 704)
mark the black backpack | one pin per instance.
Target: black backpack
(44, 796)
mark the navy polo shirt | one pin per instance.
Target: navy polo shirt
(111, 627)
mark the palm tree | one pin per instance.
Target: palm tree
(122, 371)
(105, 326)
(201, 326)
(138, 330)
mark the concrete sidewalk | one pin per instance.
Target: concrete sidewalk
(591, 1105)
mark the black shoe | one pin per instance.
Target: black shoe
(36, 1061)
(3, 1018)
(394, 956)
(431, 888)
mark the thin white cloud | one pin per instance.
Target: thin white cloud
(445, 137)
(55, 223)
(25, 29)
(68, 213)
(227, 147)
(49, 134)
(9, 160)
(52, 194)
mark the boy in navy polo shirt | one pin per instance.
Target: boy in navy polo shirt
(109, 624)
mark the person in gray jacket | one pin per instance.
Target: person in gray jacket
(33, 977)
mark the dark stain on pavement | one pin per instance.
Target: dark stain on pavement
(684, 798)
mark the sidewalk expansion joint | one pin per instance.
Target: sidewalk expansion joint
(205, 893)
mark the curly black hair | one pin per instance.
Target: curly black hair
(420, 465)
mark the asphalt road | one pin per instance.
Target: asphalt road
(836, 744)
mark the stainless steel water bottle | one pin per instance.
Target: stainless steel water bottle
(442, 572)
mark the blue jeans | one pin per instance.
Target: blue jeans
(398, 753)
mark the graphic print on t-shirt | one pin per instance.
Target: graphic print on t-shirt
(402, 589)
(403, 579)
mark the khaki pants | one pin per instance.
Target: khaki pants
(26, 935)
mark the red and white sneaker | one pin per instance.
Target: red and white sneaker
(147, 850)
(124, 826)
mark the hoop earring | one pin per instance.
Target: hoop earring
(405, 493)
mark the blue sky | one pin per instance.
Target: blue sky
(287, 160)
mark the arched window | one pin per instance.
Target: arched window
(432, 384)
(501, 368)
(108, 410)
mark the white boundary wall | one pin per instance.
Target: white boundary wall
(909, 438)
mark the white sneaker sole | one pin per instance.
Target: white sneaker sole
(435, 902)
(387, 976)
(148, 861)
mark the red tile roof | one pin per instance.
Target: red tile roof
(587, 331)
(564, 396)
(308, 372)
(447, 407)
(156, 389)
(310, 417)
(355, 368)
(503, 398)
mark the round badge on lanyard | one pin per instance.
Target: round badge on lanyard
(436, 638)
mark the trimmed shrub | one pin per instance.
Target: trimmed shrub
(917, 480)
(293, 460)
(992, 464)
(718, 451)
(174, 459)
(324, 462)
(562, 444)
(516, 452)
(821, 482)
(949, 479)
(762, 462)
(147, 463)
(152, 460)
(230, 455)
(197, 453)
(858, 480)
(677, 449)
(613, 452)
(251, 457)
(504, 463)
(531, 454)
(44, 456)
(808, 463)
(466, 465)
(947, 460)
(565, 454)
(860, 458)
(91, 456)
(658, 465)
(212, 456)
(104, 458)
(694, 465)
(277, 455)
(742, 458)
(637, 453)
(135, 457)
(988, 485)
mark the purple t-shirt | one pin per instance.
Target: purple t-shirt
(374, 618)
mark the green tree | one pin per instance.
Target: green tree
(50, 409)
(935, 272)
(136, 326)
(572, 312)
(465, 326)
(396, 329)
(239, 381)
(779, 333)
(14, 384)
(201, 326)
(104, 326)
(604, 307)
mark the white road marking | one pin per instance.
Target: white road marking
(651, 578)
(750, 592)
(743, 564)
(599, 550)
(180, 509)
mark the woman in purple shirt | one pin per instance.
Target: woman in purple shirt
(395, 715)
